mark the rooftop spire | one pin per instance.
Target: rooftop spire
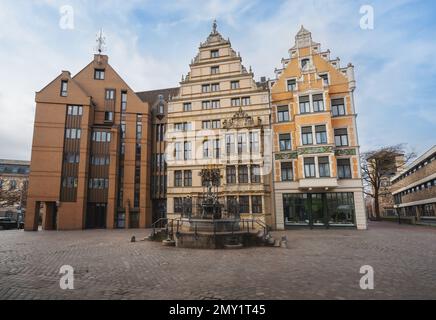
(214, 27)
(101, 41)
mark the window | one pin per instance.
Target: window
(205, 105)
(344, 169)
(207, 151)
(72, 157)
(215, 104)
(286, 170)
(187, 106)
(214, 70)
(205, 88)
(242, 143)
(244, 204)
(255, 173)
(215, 87)
(338, 107)
(234, 85)
(318, 103)
(236, 102)
(246, 101)
(214, 53)
(230, 144)
(110, 94)
(108, 116)
(216, 124)
(187, 178)
(217, 148)
(206, 124)
(324, 166)
(321, 134)
(305, 63)
(325, 79)
(282, 114)
(138, 131)
(243, 174)
(178, 152)
(99, 74)
(254, 142)
(123, 100)
(72, 133)
(187, 150)
(292, 84)
(178, 178)
(71, 182)
(182, 126)
(231, 174)
(285, 142)
(75, 110)
(256, 204)
(309, 167)
(64, 88)
(306, 135)
(304, 104)
(178, 205)
(341, 137)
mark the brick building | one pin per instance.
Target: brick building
(414, 188)
(90, 153)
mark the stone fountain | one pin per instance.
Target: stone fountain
(210, 222)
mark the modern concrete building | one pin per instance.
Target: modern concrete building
(219, 118)
(317, 179)
(414, 188)
(90, 153)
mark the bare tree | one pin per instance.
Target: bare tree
(378, 166)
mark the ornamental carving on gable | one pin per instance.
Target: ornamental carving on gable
(240, 119)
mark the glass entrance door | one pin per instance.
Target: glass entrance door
(319, 209)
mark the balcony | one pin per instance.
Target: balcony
(318, 183)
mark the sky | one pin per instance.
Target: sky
(151, 43)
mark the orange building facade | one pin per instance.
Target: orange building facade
(317, 179)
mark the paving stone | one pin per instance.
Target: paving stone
(318, 264)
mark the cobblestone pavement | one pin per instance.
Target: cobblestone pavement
(319, 264)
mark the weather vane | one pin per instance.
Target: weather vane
(101, 41)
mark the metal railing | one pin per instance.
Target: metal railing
(245, 225)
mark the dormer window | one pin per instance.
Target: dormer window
(325, 78)
(64, 88)
(305, 63)
(99, 74)
(215, 54)
(292, 84)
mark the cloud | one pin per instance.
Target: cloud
(151, 43)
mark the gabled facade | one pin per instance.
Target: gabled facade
(219, 119)
(90, 153)
(317, 180)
